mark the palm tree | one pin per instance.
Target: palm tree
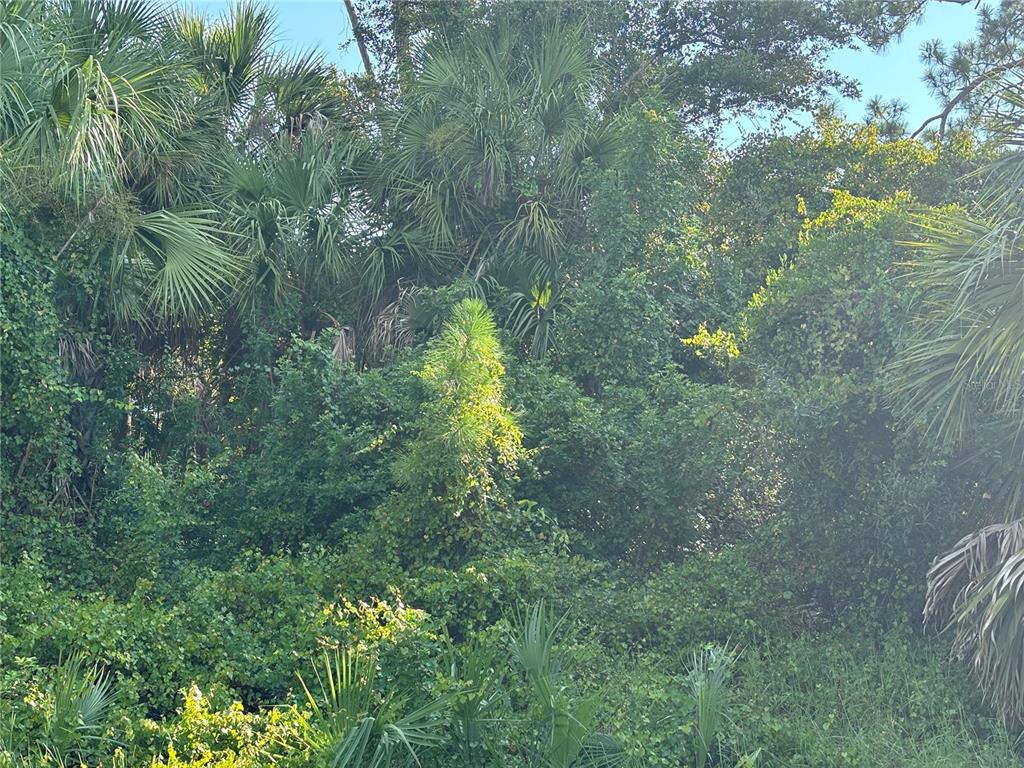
(100, 99)
(567, 721)
(486, 155)
(135, 120)
(961, 378)
(255, 93)
(76, 716)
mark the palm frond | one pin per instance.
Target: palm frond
(978, 585)
(533, 646)
(361, 729)
(962, 361)
(531, 316)
(239, 47)
(183, 261)
(82, 698)
(22, 59)
(476, 698)
(303, 89)
(960, 376)
(708, 681)
(103, 92)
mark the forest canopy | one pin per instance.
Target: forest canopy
(480, 408)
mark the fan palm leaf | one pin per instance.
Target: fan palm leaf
(978, 586)
(571, 740)
(963, 359)
(82, 698)
(303, 89)
(102, 91)
(232, 53)
(21, 53)
(178, 261)
(708, 681)
(359, 728)
(487, 150)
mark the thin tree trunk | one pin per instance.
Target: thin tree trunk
(357, 33)
(403, 44)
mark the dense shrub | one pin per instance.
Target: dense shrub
(38, 459)
(321, 458)
(645, 472)
(229, 736)
(847, 700)
(863, 502)
(773, 183)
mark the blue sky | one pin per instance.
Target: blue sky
(893, 72)
(897, 70)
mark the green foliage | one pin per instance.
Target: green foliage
(735, 596)
(644, 276)
(456, 474)
(152, 520)
(38, 449)
(317, 454)
(230, 737)
(212, 627)
(708, 679)
(68, 719)
(959, 380)
(647, 198)
(640, 470)
(846, 700)
(775, 183)
(860, 495)
(831, 312)
(555, 433)
(616, 332)
(356, 727)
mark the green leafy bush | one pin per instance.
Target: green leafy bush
(38, 459)
(864, 504)
(644, 472)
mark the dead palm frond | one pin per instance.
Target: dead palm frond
(979, 586)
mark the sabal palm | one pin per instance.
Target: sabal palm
(568, 721)
(75, 719)
(255, 93)
(102, 94)
(298, 212)
(961, 377)
(95, 89)
(487, 152)
(291, 184)
(288, 208)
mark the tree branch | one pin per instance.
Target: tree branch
(966, 91)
